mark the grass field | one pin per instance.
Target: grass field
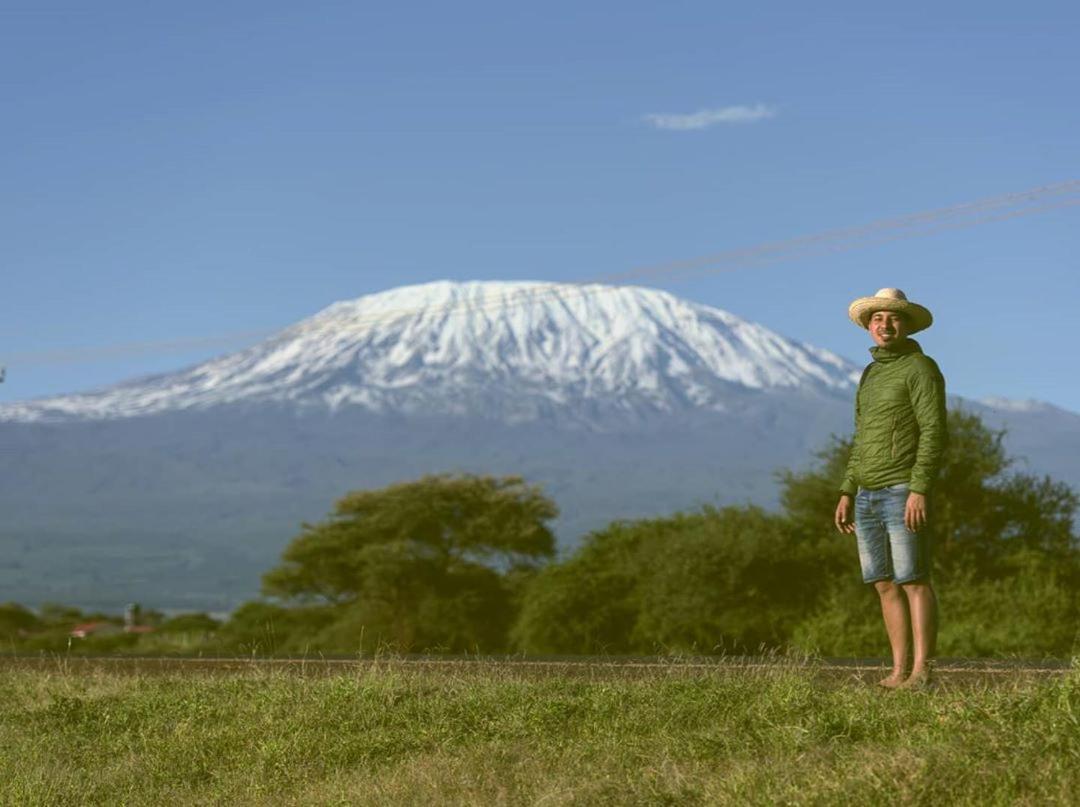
(398, 733)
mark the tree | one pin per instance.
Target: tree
(588, 603)
(1003, 543)
(736, 581)
(717, 579)
(980, 512)
(422, 563)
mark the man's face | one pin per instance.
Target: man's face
(888, 328)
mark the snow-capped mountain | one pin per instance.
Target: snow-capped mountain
(507, 350)
(180, 489)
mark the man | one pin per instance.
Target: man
(900, 438)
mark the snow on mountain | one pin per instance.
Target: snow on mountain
(1025, 405)
(508, 349)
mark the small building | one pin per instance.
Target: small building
(95, 629)
(132, 614)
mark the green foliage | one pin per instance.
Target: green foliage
(16, 621)
(1007, 564)
(1031, 610)
(1008, 570)
(457, 564)
(589, 602)
(809, 497)
(259, 628)
(190, 623)
(427, 564)
(1029, 513)
(728, 579)
(419, 526)
(846, 621)
(466, 609)
(737, 580)
(56, 615)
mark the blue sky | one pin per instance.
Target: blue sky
(179, 171)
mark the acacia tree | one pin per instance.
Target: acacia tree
(427, 562)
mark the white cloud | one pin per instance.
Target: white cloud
(704, 118)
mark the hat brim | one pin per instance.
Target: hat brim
(918, 316)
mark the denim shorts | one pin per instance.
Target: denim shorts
(887, 549)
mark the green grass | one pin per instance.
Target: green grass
(394, 734)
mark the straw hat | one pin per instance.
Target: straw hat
(890, 300)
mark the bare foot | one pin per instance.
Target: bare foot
(893, 681)
(919, 679)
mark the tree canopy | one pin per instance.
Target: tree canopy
(726, 579)
(422, 562)
(465, 563)
(981, 510)
(739, 578)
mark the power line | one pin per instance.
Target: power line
(969, 214)
(906, 223)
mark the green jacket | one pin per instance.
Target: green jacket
(900, 432)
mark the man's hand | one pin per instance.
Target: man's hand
(844, 515)
(915, 512)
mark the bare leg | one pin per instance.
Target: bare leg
(894, 609)
(923, 605)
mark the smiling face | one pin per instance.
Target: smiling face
(888, 328)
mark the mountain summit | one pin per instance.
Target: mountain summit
(516, 351)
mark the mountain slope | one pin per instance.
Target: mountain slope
(513, 351)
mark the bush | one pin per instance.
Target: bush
(190, 623)
(260, 628)
(1034, 611)
(588, 603)
(730, 579)
(15, 621)
(735, 581)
